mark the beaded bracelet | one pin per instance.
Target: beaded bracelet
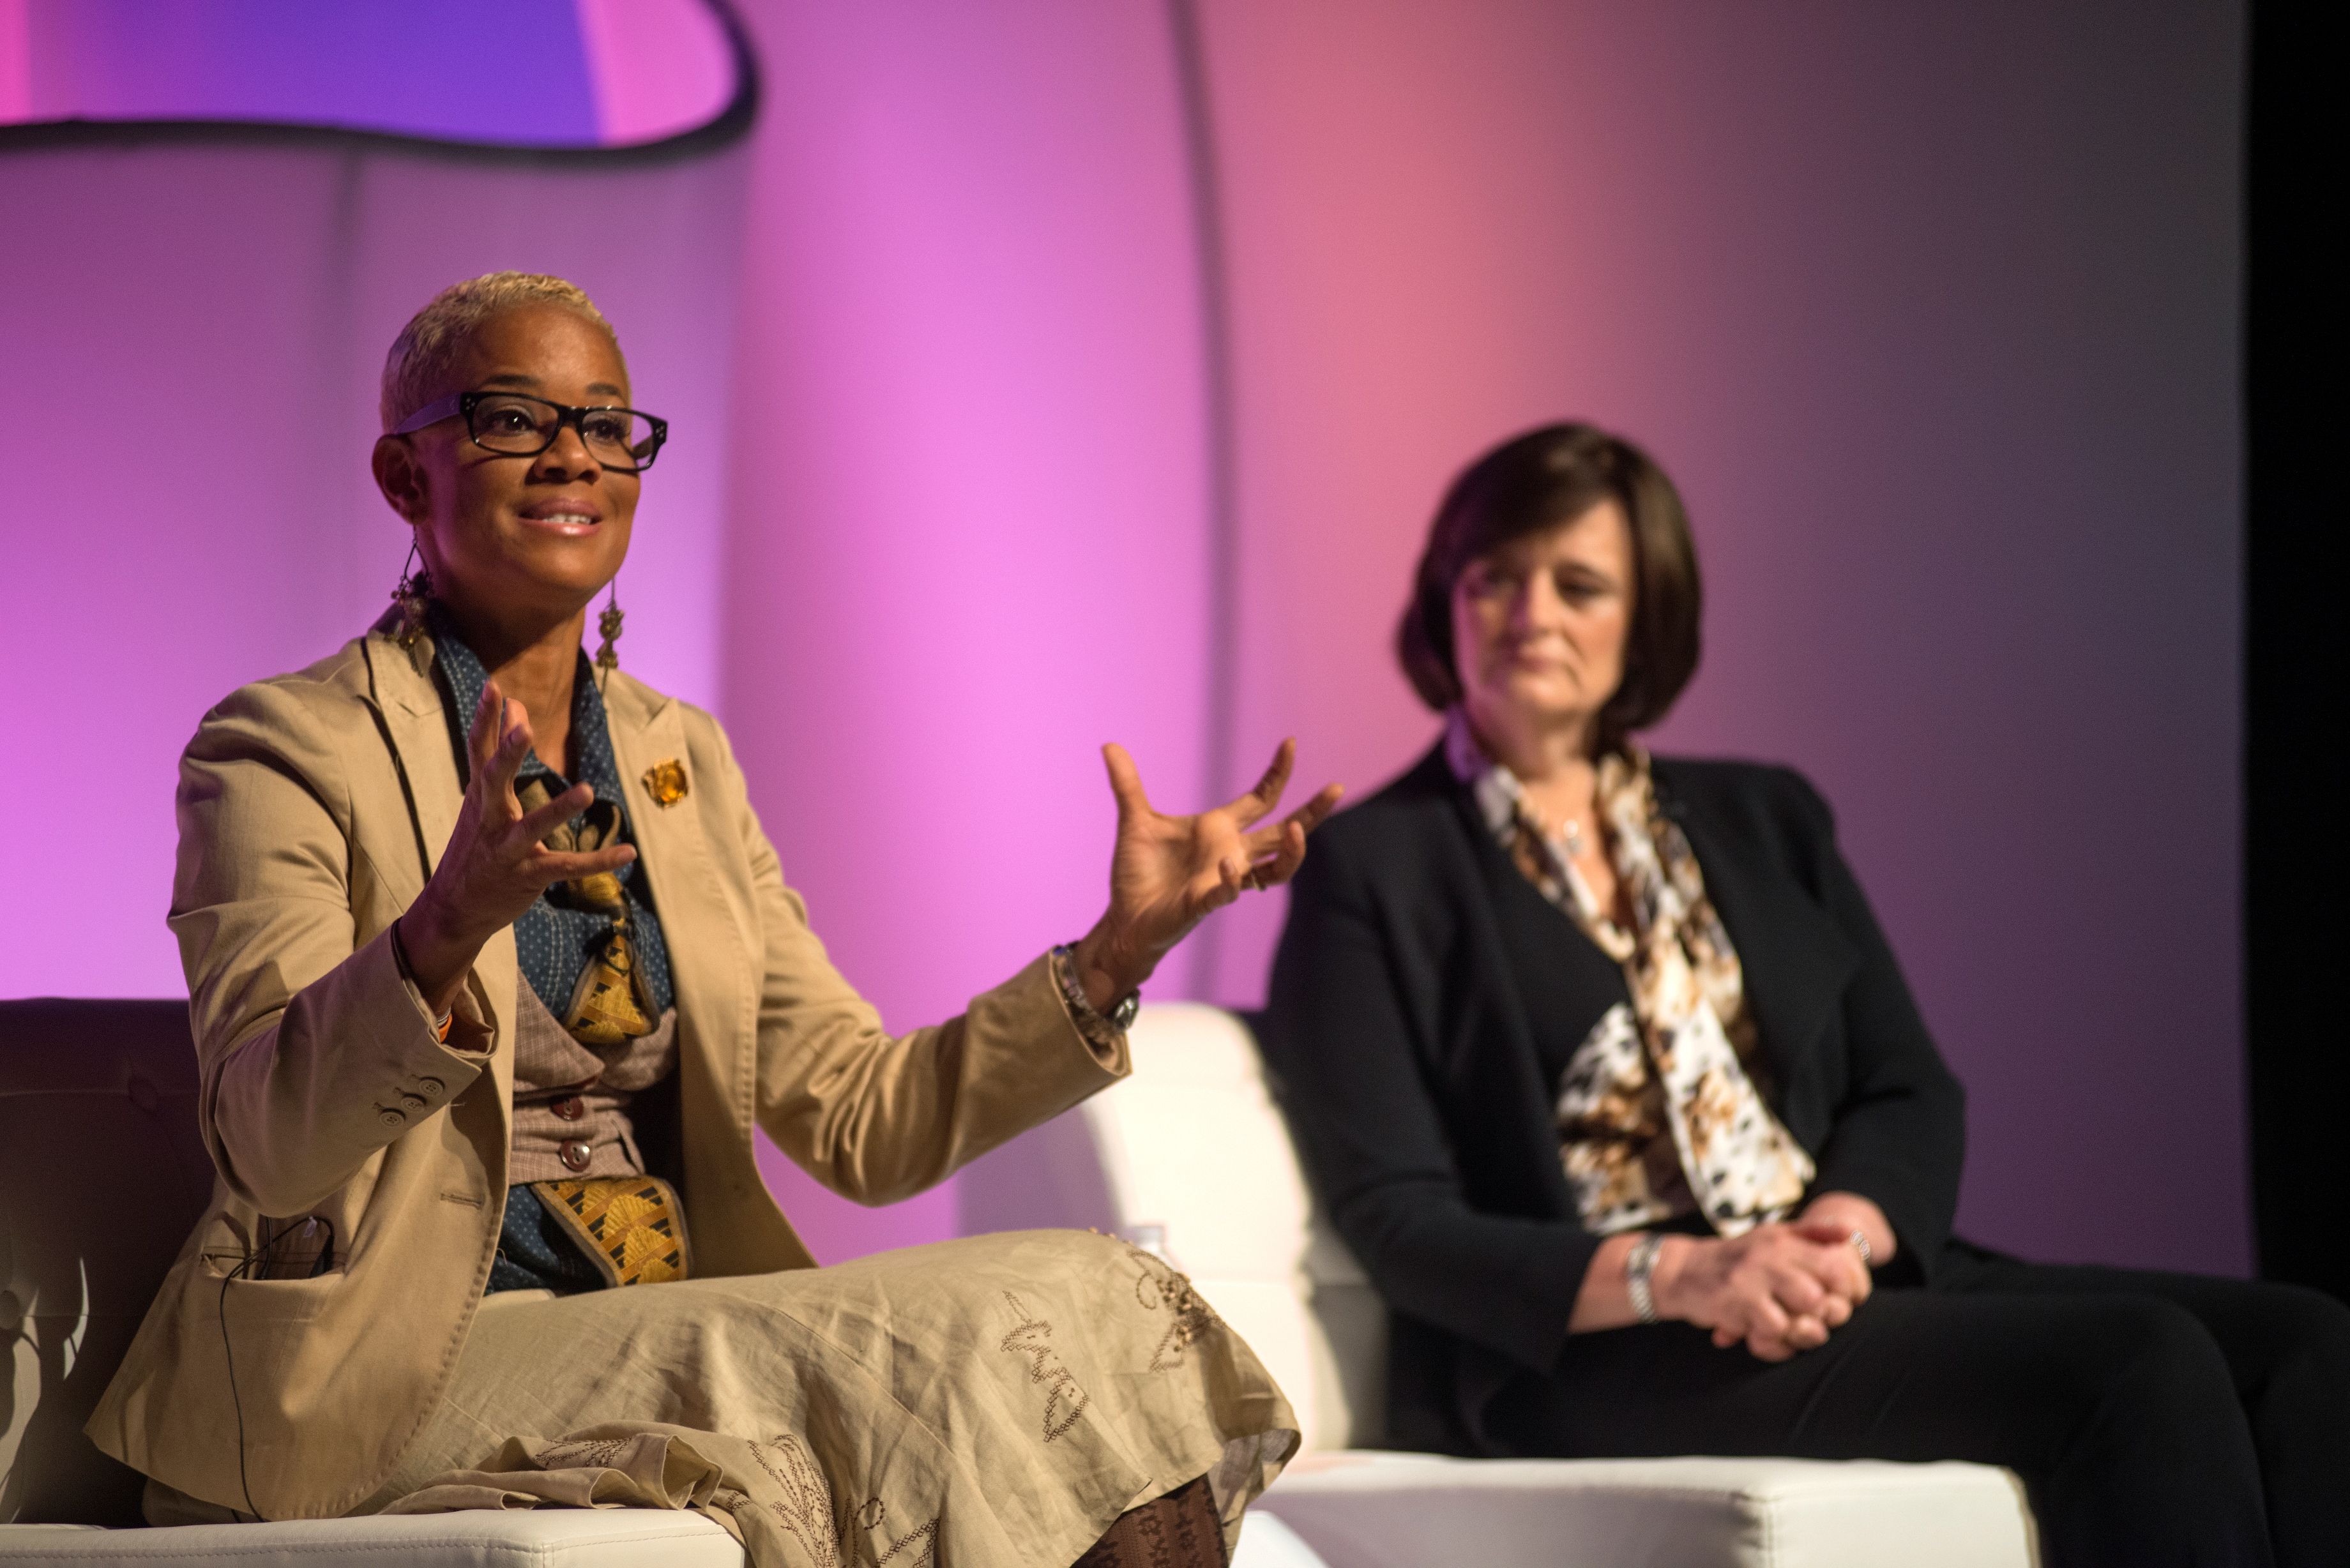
(1101, 1031)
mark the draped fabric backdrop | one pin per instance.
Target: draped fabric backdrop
(1053, 371)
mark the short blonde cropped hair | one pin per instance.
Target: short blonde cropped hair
(424, 354)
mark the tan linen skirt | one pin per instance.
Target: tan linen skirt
(995, 1400)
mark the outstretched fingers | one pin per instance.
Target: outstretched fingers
(1316, 812)
(506, 762)
(566, 866)
(1125, 783)
(481, 737)
(1277, 852)
(536, 826)
(1259, 801)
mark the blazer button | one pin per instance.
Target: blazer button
(574, 1155)
(413, 1102)
(570, 1107)
(431, 1087)
(392, 1118)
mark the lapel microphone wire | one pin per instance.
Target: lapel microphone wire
(230, 1355)
(260, 1259)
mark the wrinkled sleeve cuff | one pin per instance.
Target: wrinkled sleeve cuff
(470, 1035)
(1104, 1039)
(471, 1038)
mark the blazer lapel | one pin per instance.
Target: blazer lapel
(1566, 982)
(424, 755)
(701, 915)
(1504, 1074)
(1794, 962)
(417, 726)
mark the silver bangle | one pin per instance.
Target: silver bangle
(1639, 1264)
(1860, 1244)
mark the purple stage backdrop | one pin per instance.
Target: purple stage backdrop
(1932, 313)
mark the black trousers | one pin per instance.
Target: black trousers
(2155, 1418)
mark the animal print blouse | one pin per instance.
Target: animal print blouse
(1659, 1110)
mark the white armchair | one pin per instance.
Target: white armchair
(1192, 1154)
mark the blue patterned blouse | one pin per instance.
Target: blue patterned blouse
(555, 941)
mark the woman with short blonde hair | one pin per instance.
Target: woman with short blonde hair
(493, 970)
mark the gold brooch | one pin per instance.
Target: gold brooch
(665, 782)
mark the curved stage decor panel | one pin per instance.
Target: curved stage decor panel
(575, 75)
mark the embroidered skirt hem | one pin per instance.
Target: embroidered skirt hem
(995, 1400)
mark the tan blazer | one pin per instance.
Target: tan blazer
(311, 810)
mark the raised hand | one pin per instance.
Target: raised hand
(495, 867)
(1168, 873)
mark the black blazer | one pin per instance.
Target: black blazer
(1421, 980)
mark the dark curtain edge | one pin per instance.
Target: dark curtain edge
(2297, 1072)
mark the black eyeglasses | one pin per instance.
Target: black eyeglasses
(517, 425)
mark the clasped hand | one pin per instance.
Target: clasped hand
(1780, 1288)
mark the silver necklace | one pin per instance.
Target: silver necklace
(1570, 832)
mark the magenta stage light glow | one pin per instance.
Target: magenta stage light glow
(1930, 310)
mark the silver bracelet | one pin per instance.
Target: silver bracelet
(1639, 1264)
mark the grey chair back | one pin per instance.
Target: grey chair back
(102, 1175)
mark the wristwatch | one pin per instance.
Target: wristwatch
(1640, 1265)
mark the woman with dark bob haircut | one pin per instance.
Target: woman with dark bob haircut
(1602, 1066)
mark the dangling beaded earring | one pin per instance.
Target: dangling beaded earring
(607, 655)
(411, 593)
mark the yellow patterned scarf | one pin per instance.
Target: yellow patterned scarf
(632, 1227)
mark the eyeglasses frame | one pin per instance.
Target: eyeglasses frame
(459, 405)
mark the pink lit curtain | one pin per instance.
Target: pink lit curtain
(1055, 371)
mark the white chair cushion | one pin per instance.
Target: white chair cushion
(531, 1538)
(1369, 1510)
(1193, 1142)
(1266, 1543)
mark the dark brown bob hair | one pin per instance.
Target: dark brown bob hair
(1537, 481)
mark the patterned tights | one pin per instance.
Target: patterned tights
(1178, 1530)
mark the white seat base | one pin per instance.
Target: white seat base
(535, 1538)
(1362, 1508)
(488, 1538)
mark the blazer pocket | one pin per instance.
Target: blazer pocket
(290, 1275)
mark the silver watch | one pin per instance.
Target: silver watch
(1640, 1265)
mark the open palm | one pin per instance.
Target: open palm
(1168, 873)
